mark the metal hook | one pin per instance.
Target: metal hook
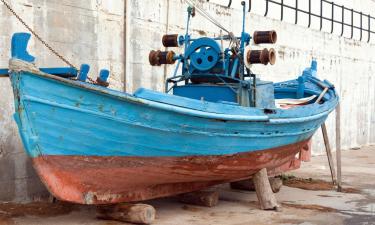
(230, 3)
(265, 14)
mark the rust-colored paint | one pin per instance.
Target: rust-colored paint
(305, 155)
(103, 180)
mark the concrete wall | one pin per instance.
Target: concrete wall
(85, 31)
(93, 31)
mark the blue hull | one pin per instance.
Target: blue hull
(58, 116)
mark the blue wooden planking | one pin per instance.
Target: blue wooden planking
(220, 108)
(66, 72)
(4, 72)
(66, 119)
(19, 47)
(61, 71)
(210, 93)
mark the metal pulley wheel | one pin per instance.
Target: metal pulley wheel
(203, 54)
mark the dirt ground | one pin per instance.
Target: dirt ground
(307, 198)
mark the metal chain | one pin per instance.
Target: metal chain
(37, 36)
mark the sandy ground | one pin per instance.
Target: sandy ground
(320, 206)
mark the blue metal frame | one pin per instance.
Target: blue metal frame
(205, 57)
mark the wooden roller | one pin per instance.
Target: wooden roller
(265, 37)
(170, 40)
(264, 56)
(157, 58)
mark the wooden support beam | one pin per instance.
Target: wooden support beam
(266, 197)
(248, 184)
(329, 153)
(207, 198)
(276, 184)
(130, 213)
(338, 147)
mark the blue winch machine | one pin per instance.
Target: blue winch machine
(211, 73)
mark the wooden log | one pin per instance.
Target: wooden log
(276, 184)
(329, 153)
(338, 147)
(248, 184)
(130, 213)
(266, 197)
(207, 198)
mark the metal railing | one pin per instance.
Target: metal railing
(334, 8)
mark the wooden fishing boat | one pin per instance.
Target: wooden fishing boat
(94, 145)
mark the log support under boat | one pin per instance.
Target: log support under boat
(207, 198)
(248, 184)
(126, 212)
(266, 197)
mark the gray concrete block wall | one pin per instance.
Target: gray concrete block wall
(86, 31)
(92, 31)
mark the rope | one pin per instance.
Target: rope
(37, 36)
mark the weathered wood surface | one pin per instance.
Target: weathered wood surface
(130, 213)
(276, 184)
(158, 174)
(248, 184)
(338, 146)
(208, 198)
(266, 197)
(329, 153)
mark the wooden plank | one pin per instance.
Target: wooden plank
(338, 146)
(326, 141)
(329, 153)
(130, 213)
(266, 197)
(206, 198)
(65, 72)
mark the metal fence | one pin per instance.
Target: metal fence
(364, 29)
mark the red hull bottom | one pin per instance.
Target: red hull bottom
(104, 180)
